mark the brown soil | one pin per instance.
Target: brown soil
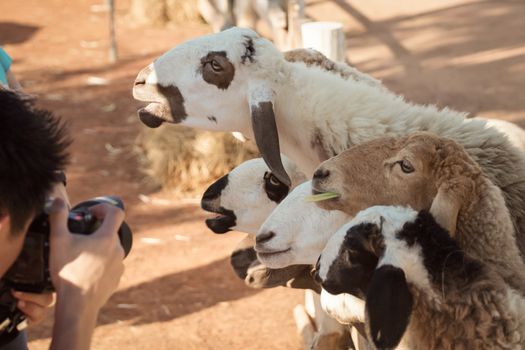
(178, 291)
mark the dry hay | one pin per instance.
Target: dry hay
(185, 161)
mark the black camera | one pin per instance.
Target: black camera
(30, 271)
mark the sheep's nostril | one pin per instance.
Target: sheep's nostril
(139, 81)
(265, 237)
(321, 174)
(142, 76)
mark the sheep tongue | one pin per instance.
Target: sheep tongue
(150, 120)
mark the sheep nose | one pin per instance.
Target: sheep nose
(215, 190)
(321, 174)
(142, 76)
(265, 237)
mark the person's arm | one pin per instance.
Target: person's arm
(85, 270)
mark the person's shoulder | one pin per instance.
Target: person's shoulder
(5, 59)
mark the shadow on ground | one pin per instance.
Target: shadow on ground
(461, 61)
(16, 33)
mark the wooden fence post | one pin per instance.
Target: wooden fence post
(113, 53)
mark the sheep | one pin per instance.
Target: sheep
(296, 231)
(310, 57)
(421, 288)
(246, 196)
(425, 171)
(514, 133)
(237, 81)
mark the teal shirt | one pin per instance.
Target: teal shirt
(5, 64)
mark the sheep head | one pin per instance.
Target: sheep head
(366, 259)
(390, 256)
(217, 82)
(421, 170)
(246, 196)
(296, 231)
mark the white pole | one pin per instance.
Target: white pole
(325, 37)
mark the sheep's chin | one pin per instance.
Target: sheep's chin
(153, 115)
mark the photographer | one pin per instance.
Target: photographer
(85, 269)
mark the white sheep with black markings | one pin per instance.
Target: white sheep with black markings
(421, 289)
(238, 81)
(245, 196)
(297, 230)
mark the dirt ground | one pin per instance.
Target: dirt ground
(178, 291)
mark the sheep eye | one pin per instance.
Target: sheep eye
(271, 179)
(274, 181)
(274, 188)
(216, 66)
(406, 166)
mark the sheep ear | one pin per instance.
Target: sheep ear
(388, 306)
(445, 210)
(265, 130)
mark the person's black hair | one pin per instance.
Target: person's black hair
(33, 146)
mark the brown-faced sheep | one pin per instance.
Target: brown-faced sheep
(425, 171)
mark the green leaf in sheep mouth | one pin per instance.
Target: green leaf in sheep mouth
(321, 197)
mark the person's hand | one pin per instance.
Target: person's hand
(90, 265)
(59, 191)
(34, 306)
(85, 270)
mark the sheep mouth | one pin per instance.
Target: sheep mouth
(265, 254)
(153, 115)
(322, 196)
(222, 223)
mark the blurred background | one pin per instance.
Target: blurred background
(179, 291)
